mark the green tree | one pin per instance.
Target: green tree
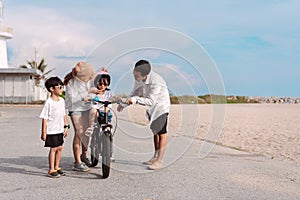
(41, 66)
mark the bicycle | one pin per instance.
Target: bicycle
(102, 138)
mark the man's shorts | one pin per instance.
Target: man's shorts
(54, 140)
(159, 125)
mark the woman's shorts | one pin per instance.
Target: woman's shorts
(55, 140)
(86, 112)
(159, 125)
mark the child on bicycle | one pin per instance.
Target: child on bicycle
(54, 125)
(101, 82)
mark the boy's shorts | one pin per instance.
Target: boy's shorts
(159, 125)
(54, 140)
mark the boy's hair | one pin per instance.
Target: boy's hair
(52, 82)
(143, 66)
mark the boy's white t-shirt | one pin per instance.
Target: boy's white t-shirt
(54, 112)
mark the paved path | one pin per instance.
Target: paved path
(224, 174)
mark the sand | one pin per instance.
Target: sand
(271, 130)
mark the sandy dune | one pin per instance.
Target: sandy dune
(272, 130)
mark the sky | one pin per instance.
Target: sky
(234, 47)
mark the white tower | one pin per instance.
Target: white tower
(5, 33)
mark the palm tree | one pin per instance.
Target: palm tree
(41, 66)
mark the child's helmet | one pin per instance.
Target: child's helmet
(102, 73)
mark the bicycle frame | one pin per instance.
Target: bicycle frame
(102, 140)
(105, 124)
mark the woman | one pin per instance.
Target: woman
(79, 83)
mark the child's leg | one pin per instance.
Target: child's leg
(51, 158)
(92, 115)
(57, 157)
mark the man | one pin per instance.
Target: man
(150, 90)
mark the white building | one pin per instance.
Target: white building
(5, 33)
(17, 85)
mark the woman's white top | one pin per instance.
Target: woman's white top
(76, 90)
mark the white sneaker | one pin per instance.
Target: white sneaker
(89, 131)
(112, 158)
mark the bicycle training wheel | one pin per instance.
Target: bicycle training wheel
(106, 153)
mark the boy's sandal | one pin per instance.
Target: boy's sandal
(53, 174)
(60, 172)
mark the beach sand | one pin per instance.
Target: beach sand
(271, 130)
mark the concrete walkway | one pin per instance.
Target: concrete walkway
(224, 174)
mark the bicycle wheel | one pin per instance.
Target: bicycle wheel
(94, 146)
(106, 153)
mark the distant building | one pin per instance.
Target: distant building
(17, 85)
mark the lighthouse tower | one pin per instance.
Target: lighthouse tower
(5, 33)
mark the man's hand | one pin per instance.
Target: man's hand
(129, 101)
(119, 108)
(124, 103)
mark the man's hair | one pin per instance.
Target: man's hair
(143, 66)
(52, 82)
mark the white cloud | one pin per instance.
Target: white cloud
(53, 35)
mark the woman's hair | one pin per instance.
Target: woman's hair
(143, 66)
(67, 78)
(82, 71)
(70, 75)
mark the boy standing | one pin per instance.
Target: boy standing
(54, 125)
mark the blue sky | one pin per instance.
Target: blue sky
(255, 45)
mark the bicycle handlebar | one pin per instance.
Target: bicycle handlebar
(106, 103)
